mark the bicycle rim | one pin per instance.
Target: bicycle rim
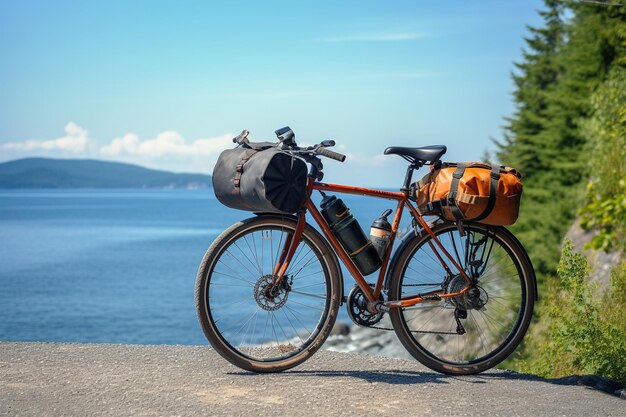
(493, 320)
(250, 324)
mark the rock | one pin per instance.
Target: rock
(602, 263)
(340, 329)
(367, 340)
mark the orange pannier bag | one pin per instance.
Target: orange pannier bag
(475, 191)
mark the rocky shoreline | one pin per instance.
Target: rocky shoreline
(347, 337)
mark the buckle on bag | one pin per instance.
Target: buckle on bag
(435, 206)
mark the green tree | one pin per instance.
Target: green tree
(536, 77)
(564, 63)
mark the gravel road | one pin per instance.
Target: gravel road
(49, 379)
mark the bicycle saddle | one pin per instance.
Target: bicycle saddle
(424, 154)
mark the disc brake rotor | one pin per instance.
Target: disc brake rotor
(268, 296)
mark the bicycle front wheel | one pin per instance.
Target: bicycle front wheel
(473, 332)
(249, 321)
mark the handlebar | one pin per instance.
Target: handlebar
(290, 145)
(320, 150)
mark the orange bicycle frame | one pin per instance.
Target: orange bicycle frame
(373, 296)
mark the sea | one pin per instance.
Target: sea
(114, 266)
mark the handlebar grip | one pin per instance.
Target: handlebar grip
(330, 154)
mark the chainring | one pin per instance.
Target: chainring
(357, 309)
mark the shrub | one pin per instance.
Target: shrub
(585, 333)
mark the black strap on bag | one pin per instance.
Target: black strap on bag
(493, 191)
(239, 170)
(253, 148)
(454, 188)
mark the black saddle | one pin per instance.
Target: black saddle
(423, 155)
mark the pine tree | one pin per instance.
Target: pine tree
(524, 145)
(538, 74)
(564, 63)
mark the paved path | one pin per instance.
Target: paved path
(117, 380)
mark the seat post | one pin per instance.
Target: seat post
(409, 175)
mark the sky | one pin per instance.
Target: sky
(167, 84)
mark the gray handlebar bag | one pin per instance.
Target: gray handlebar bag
(260, 179)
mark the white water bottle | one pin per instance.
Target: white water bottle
(380, 233)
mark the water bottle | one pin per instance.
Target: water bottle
(349, 233)
(380, 233)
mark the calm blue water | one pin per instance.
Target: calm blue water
(112, 266)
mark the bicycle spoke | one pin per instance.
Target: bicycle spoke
(292, 326)
(322, 296)
(306, 305)
(308, 275)
(256, 259)
(235, 277)
(488, 316)
(246, 310)
(247, 258)
(239, 262)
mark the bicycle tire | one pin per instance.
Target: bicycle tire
(287, 344)
(428, 331)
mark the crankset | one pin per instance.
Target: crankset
(357, 309)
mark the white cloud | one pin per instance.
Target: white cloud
(165, 144)
(168, 150)
(378, 37)
(74, 142)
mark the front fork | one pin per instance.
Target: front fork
(289, 249)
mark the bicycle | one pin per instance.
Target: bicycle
(460, 296)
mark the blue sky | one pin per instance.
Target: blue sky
(166, 83)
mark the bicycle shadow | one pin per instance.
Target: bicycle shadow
(405, 377)
(391, 376)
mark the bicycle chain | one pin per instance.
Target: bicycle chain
(436, 284)
(412, 331)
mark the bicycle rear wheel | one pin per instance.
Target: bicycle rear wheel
(249, 322)
(494, 315)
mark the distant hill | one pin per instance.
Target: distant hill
(89, 173)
